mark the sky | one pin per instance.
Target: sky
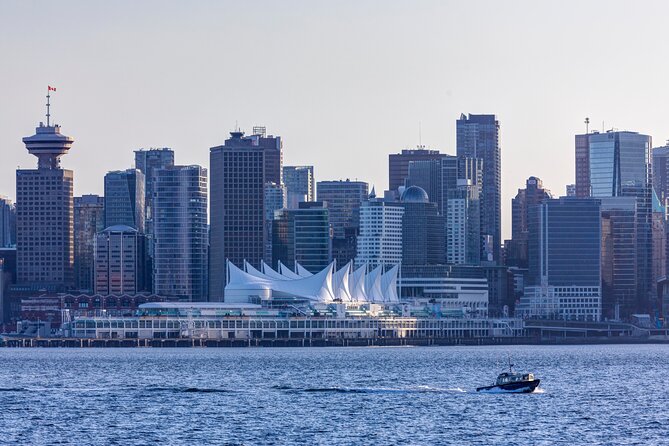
(344, 83)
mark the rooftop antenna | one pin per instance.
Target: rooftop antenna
(420, 135)
(48, 103)
(587, 124)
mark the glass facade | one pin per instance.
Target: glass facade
(343, 200)
(303, 235)
(422, 235)
(426, 174)
(148, 161)
(620, 166)
(180, 264)
(478, 137)
(565, 242)
(619, 256)
(88, 221)
(124, 199)
(300, 185)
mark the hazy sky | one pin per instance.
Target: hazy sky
(344, 83)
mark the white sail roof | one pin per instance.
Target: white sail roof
(287, 272)
(253, 271)
(389, 285)
(340, 284)
(269, 272)
(356, 285)
(317, 287)
(373, 285)
(302, 271)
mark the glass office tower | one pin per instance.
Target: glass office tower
(180, 265)
(478, 137)
(564, 277)
(124, 199)
(620, 166)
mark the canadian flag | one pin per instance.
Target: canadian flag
(52, 88)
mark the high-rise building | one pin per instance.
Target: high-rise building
(273, 147)
(422, 229)
(564, 277)
(343, 200)
(659, 240)
(398, 164)
(88, 221)
(582, 152)
(533, 194)
(426, 174)
(380, 239)
(570, 190)
(124, 199)
(478, 137)
(463, 224)
(275, 199)
(619, 256)
(238, 178)
(120, 261)
(7, 223)
(660, 179)
(303, 235)
(180, 263)
(300, 185)
(620, 166)
(45, 214)
(148, 161)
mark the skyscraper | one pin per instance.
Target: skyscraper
(343, 200)
(463, 224)
(237, 232)
(7, 223)
(380, 239)
(120, 261)
(300, 185)
(273, 148)
(533, 194)
(88, 221)
(478, 137)
(619, 256)
(180, 262)
(303, 235)
(660, 179)
(398, 164)
(44, 213)
(124, 199)
(275, 199)
(620, 166)
(564, 277)
(422, 229)
(426, 174)
(148, 161)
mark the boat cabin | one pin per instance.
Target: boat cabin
(507, 378)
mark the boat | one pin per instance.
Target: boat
(513, 382)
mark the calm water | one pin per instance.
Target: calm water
(596, 395)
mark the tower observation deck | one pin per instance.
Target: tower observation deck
(48, 145)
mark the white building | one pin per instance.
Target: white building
(380, 239)
(463, 225)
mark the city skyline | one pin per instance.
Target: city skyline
(382, 89)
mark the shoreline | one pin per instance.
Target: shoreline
(307, 342)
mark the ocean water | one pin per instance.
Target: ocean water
(590, 395)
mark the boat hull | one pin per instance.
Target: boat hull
(515, 387)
